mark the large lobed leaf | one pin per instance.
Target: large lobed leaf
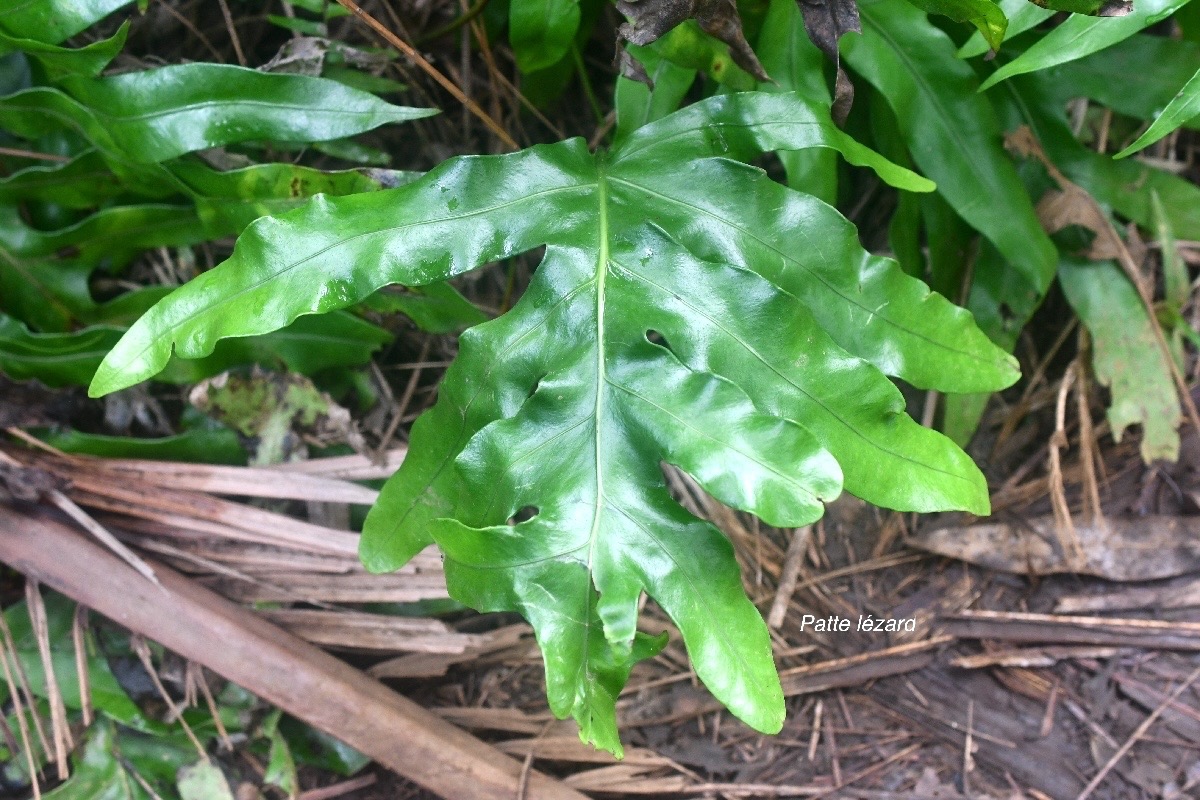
(688, 310)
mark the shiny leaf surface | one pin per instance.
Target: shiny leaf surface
(687, 310)
(52, 21)
(155, 115)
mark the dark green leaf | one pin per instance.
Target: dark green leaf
(316, 748)
(200, 446)
(55, 359)
(305, 26)
(796, 64)
(106, 693)
(1124, 186)
(112, 236)
(436, 307)
(541, 31)
(638, 103)
(98, 774)
(83, 182)
(354, 152)
(1092, 8)
(952, 132)
(281, 767)
(48, 294)
(363, 81)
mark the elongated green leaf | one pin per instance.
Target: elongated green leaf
(114, 235)
(985, 15)
(155, 115)
(199, 446)
(1183, 107)
(88, 61)
(50, 295)
(952, 133)
(1022, 15)
(688, 310)
(639, 104)
(229, 201)
(796, 65)
(83, 182)
(1161, 65)
(1093, 8)
(1126, 355)
(541, 31)
(307, 345)
(53, 21)
(1080, 36)
(56, 359)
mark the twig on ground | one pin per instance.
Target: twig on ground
(1137, 734)
(431, 71)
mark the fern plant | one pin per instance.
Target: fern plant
(688, 310)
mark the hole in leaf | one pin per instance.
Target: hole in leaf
(654, 337)
(523, 515)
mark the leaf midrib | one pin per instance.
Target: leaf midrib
(598, 410)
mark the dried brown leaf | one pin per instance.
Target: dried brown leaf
(650, 19)
(826, 21)
(1134, 549)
